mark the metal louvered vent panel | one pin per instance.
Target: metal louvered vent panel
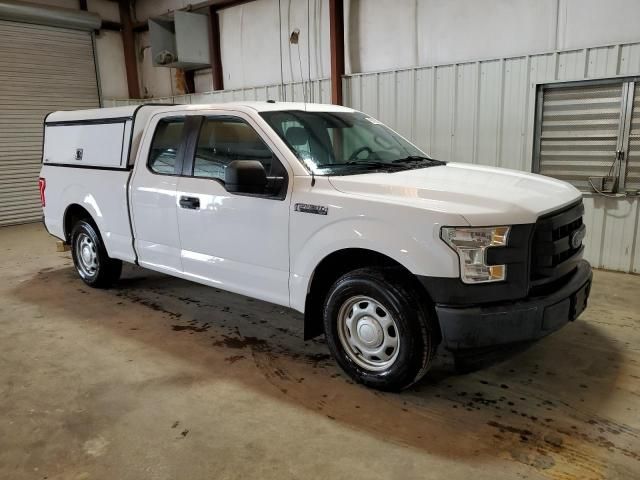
(579, 132)
(633, 162)
(41, 69)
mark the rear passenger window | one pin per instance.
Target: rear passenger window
(165, 145)
(225, 139)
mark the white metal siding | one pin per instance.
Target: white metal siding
(484, 112)
(41, 69)
(318, 91)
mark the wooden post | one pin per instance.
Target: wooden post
(336, 29)
(214, 48)
(129, 46)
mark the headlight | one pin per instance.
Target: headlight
(471, 246)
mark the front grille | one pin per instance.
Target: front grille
(553, 254)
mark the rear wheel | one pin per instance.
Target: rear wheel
(378, 328)
(90, 257)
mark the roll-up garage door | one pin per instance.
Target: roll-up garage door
(590, 130)
(42, 69)
(633, 172)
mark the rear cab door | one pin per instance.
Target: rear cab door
(153, 196)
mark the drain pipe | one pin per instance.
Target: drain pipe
(25, 12)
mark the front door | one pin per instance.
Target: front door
(238, 242)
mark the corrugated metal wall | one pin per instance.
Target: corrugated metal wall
(319, 91)
(484, 112)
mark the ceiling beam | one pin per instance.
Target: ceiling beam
(336, 34)
(112, 26)
(141, 26)
(129, 47)
(214, 49)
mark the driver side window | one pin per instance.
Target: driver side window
(223, 140)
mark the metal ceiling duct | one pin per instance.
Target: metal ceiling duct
(25, 12)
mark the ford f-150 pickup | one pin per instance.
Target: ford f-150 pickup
(325, 210)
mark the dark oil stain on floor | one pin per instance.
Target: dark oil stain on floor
(523, 408)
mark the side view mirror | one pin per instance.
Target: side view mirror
(245, 176)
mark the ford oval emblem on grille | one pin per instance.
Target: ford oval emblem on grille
(576, 238)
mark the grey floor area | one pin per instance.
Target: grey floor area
(161, 378)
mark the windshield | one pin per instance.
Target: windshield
(343, 143)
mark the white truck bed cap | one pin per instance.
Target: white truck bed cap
(97, 114)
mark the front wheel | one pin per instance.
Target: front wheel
(90, 257)
(378, 328)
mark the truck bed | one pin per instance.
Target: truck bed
(87, 161)
(102, 192)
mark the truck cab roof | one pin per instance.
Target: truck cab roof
(130, 111)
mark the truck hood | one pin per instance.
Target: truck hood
(482, 195)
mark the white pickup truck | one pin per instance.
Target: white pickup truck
(325, 210)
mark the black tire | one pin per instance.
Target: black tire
(105, 271)
(416, 331)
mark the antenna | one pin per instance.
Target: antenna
(311, 94)
(294, 40)
(283, 92)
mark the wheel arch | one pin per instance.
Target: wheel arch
(332, 267)
(72, 214)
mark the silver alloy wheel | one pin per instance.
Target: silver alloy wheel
(368, 333)
(86, 255)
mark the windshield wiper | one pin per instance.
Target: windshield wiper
(417, 159)
(365, 165)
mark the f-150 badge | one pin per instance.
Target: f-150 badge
(308, 208)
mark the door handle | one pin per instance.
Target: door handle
(192, 203)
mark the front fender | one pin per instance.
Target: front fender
(417, 247)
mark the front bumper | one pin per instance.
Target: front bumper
(470, 327)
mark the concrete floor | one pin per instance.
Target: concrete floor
(160, 378)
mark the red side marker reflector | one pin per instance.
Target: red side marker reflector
(42, 185)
